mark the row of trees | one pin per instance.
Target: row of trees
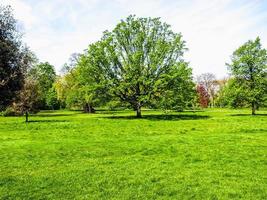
(25, 84)
(247, 85)
(137, 64)
(140, 63)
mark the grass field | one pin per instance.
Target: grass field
(214, 154)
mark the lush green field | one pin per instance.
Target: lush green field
(215, 154)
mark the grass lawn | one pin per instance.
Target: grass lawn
(215, 154)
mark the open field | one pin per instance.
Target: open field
(215, 154)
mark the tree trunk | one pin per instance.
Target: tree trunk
(26, 115)
(89, 108)
(138, 110)
(253, 107)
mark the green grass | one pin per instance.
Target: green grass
(215, 154)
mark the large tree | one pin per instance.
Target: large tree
(13, 57)
(140, 59)
(249, 67)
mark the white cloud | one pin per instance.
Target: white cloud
(213, 29)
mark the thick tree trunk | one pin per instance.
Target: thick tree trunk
(138, 110)
(89, 108)
(253, 108)
(26, 115)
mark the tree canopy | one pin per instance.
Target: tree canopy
(14, 57)
(141, 61)
(249, 67)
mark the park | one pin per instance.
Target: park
(128, 117)
(216, 154)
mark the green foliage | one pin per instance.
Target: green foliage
(51, 99)
(233, 95)
(249, 67)
(14, 58)
(29, 97)
(141, 63)
(45, 75)
(213, 154)
(9, 111)
(179, 89)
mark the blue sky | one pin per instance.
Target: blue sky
(213, 29)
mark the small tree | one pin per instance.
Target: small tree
(209, 82)
(28, 98)
(248, 66)
(203, 96)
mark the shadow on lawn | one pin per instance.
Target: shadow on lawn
(171, 117)
(46, 121)
(243, 115)
(54, 115)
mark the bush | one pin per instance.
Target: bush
(9, 112)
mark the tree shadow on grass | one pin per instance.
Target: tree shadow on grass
(170, 117)
(46, 121)
(54, 115)
(243, 115)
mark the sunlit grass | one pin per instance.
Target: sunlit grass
(214, 154)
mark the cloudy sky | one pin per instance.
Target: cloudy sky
(213, 29)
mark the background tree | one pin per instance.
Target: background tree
(248, 66)
(13, 57)
(51, 99)
(45, 75)
(203, 96)
(180, 92)
(139, 57)
(209, 82)
(87, 85)
(232, 95)
(28, 98)
(71, 64)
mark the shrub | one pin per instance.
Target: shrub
(9, 112)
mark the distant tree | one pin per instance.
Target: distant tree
(87, 86)
(203, 96)
(140, 59)
(232, 95)
(209, 82)
(71, 64)
(28, 98)
(181, 89)
(45, 75)
(51, 99)
(13, 57)
(249, 68)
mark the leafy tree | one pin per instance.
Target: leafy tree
(180, 92)
(232, 95)
(51, 99)
(248, 66)
(45, 75)
(139, 58)
(203, 96)
(71, 64)
(28, 98)
(14, 57)
(87, 83)
(209, 82)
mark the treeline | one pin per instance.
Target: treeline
(138, 64)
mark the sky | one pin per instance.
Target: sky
(212, 29)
